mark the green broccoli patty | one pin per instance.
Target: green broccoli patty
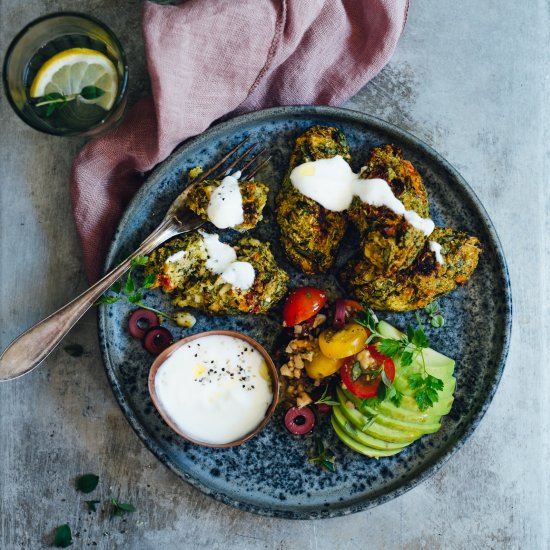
(311, 234)
(196, 286)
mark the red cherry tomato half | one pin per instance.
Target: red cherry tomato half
(302, 303)
(363, 387)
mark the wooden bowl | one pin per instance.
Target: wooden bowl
(168, 351)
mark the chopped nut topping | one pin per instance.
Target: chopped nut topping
(285, 371)
(319, 320)
(366, 360)
(303, 399)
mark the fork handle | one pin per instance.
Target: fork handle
(29, 349)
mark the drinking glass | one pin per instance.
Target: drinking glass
(37, 43)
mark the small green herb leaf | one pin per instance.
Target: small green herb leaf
(371, 402)
(371, 418)
(91, 92)
(368, 319)
(430, 309)
(107, 300)
(419, 339)
(92, 505)
(435, 315)
(130, 284)
(416, 381)
(86, 483)
(422, 400)
(74, 350)
(432, 394)
(389, 347)
(433, 382)
(149, 281)
(117, 287)
(397, 398)
(324, 457)
(63, 537)
(326, 399)
(51, 97)
(135, 298)
(406, 359)
(437, 321)
(120, 508)
(356, 371)
(139, 260)
(427, 388)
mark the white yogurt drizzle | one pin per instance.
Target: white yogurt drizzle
(175, 257)
(333, 184)
(225, 208)
(436, 249)
(222, 260)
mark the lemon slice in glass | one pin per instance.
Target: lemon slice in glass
(69, 71)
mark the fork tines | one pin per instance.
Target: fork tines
(251, 167)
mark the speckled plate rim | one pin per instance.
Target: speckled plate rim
(401, 136)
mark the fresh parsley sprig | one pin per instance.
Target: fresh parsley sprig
(130, 291)
(324, 457)
(435, 315)
(56, 100)
(406, 349)
(426, 389)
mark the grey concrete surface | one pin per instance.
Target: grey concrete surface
(471, 79)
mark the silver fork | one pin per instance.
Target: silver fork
(29, 349)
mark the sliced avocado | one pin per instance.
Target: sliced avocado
(387, 331)
(386, 414)
(385, 429)
(409, 407)
(358, 447)
(379, 431)
(402, 384)
(440, 408)
(352, 422)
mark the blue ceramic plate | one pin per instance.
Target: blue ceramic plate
(270, 474)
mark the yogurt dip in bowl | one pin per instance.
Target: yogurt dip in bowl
(216, 388)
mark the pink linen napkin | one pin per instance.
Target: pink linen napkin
(207, 58)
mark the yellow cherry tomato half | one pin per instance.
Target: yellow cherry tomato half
(337, 344)
(321, 366)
